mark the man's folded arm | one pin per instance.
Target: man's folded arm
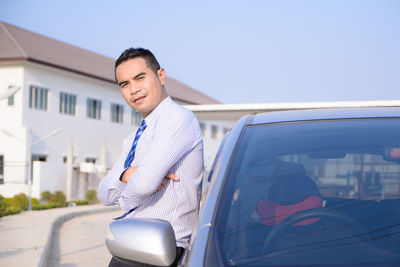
(111, 187)
(164, 152)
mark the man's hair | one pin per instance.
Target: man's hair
(146, 54)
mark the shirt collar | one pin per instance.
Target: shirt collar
(152, 117)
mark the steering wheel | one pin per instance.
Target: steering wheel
(320, 213)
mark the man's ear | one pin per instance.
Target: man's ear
(162, 76)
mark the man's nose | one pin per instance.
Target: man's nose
(134, 89)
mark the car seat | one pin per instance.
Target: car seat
(288, 195)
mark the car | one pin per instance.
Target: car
(317, 187)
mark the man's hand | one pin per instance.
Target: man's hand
(128, 174)
(165, 180)
(131, 171)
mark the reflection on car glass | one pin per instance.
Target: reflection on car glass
(306, 193)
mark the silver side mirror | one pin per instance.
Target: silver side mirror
(147, 241)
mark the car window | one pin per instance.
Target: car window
(312, 193)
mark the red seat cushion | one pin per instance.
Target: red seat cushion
(272, 213)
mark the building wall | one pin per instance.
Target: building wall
(21, 126)
(47, 177)
(11, 74)
(13, 135)
(86, 135)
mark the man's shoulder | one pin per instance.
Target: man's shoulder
(176, 117)
(177, 112)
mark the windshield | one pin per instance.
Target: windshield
(312, 193)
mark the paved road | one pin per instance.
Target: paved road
(82, 241)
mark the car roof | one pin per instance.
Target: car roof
(323, 114)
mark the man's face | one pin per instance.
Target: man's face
(141, 88)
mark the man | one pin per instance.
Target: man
(160, 170)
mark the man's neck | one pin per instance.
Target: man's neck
(145, 116)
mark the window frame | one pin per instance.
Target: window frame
(93, 108)
(67, 104)
(117, 113)
(136, 118)
(203, 128)
(38, 97)
(214, 131)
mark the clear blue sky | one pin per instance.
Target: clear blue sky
(240, 51)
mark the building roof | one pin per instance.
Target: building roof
(18, 44)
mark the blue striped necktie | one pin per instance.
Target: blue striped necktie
(131, 154)
(130, 157)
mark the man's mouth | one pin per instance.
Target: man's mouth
(138, 99)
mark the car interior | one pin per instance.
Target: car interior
(337, 204)
(293, 219)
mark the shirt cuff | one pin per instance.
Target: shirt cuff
(120, 186)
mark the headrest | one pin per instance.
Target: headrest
(289, 190)
(288, 195)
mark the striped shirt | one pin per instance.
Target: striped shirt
(172, 142)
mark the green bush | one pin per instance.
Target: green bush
(13, 205)
(19, 201)
(3, 206)
(35, 201)
(45, 196)
(81, 202)
(5, 209)
(59, 199)
(12, 210)
(46, 206)
(91, 196)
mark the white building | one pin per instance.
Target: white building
(62, 113)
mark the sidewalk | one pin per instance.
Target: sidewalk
(26, 238)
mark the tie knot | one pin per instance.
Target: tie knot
(143, 124)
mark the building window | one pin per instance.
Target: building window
(38, 97)
(1, 169)
(64, 159)
(214, 131)
(93, 108)
(90, 160)
(203, 128)
(136, 118)
(11, 100)
(117, 112)
(67, 103)
(12, 90)
(226, 130)
(39, 158)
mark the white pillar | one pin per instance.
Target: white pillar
(103, 159)
(70, 158)
(30, 170)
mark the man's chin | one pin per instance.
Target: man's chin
(138, 107)
(141, 111)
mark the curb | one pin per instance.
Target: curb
(53, 234)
